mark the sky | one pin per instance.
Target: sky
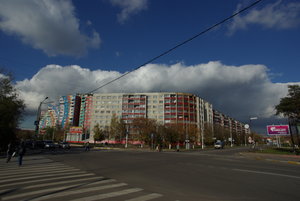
(243, 67)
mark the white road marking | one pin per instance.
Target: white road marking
(44, 172)
(36, 177)
(49, 190)
(267, 173)
(20, 195)
(73, 192)
(62, 182)
(12, 169)
(146, 197)
(47, 179)
(109, 195)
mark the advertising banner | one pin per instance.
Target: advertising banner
(76, 130)
(278, 130)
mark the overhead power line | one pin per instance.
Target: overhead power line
(180, 44)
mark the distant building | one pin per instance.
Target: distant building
(85, 115)
(49, 117)
(69, 110)
(167, 108)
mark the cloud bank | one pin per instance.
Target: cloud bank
(129, 8)
(50, 26)
(238, 91)
(277, 15)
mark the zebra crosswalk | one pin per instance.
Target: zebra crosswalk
(43, 179)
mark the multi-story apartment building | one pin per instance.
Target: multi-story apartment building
(85, 114)
(49, 117)
(228, 123)
(167, 108)
(69, 109)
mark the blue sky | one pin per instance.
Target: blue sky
(243, 67)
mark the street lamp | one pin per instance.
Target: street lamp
(38, 117)
(251, 118)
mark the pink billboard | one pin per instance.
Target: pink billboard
(278, 130)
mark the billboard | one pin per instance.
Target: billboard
(278, 130)
(76, 130)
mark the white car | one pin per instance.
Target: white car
(219, 145)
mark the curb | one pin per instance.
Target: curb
(280, 161)
(260, 157)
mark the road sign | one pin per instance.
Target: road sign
(278, 130)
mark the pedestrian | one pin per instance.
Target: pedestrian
(87, 146)
(21, 152)
(160, 147)
(10, 151)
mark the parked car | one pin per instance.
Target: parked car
(49, 144)
(39, 144)
(64, 145)
(219, 145)
(29, 144)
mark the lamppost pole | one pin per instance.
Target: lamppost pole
(38, 117)
(202, 136)
(126, 137)
(252, 118)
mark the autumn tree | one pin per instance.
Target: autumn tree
(117, 128)
(99, 134)
(219, 133)
(113, 129)
(144, 127)
(49, 135)
(169, 134)
(208, 134)
(11, 109)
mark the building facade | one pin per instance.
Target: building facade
(166, 108)
(69, 110)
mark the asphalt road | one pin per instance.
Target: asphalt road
(188, 176)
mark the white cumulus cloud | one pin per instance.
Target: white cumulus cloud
(277, 15)
(129, 8)
(238, 91)
(50, 26)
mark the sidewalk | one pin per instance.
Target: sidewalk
(291, 159)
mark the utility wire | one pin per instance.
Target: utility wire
(180, 44)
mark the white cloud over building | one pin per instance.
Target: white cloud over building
(239, 91)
